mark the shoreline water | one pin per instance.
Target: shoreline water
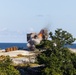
(8, 45)
(24, 45)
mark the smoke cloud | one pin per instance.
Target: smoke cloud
(35, 38)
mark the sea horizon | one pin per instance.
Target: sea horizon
(24, 45)
(8, 45)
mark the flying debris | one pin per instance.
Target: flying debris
(35, 39)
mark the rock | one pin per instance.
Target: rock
(11, 49)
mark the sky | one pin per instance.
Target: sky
(19, 17)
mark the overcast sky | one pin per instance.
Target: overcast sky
(19, 17)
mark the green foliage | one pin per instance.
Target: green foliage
(57, 58)
(44, 44)
(61, 38)
(6, 68)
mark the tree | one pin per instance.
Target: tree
(6, 68)
(56, 57)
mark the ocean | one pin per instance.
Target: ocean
(19, 45)
(24, 45)
(72, 46)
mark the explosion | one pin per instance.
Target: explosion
(35, 39)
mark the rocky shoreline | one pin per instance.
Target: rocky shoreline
(23, 56)
(19, 56)
(72, 50)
